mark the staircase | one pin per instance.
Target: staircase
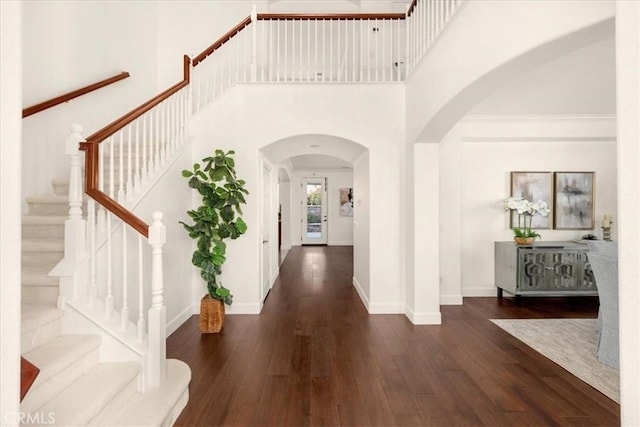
(76, 386)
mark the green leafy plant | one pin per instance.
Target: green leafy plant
(217, 218)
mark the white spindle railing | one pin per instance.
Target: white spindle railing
(425, 21)
(280, 48)
(114, 288)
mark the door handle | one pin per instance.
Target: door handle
(265, 241)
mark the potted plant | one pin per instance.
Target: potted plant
(214, 221)
(524, 234)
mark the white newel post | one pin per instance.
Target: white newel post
(157, 353)
(254, 48)
(74, 227)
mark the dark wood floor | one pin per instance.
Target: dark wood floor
(315, 357)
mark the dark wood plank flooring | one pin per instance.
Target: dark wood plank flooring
(315, 357)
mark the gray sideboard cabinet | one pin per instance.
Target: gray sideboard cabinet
(543, 269)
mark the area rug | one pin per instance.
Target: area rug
(571, 343)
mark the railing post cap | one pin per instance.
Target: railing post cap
(73, 141)
(157, 230)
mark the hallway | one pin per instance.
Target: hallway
(316, 357)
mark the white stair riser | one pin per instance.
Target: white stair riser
(49, 259)
(40, 294)
(42, 393)
(45, 231)
(56, 209)
(118, 401)
(37, 337)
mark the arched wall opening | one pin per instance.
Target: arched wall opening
(342, 162)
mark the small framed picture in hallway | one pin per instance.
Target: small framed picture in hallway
(346, 202)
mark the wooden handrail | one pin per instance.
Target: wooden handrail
(333, 16)
(91, 184)
(222, 40)
(412, 6)
(290, 16)
(71, 95)
(118, 124)
(90, 147)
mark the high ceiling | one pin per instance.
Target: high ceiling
(319, 161)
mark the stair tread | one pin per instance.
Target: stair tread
(48, 198)
(152, 407)
(35, 315)
(57, 354)
(85, 398)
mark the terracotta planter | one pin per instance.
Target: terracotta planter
(211, 315)
(524, 240)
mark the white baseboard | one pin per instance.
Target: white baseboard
(243, 308)
(454, 299)
(361, 294)
(177, 321)
(340, 243)
(479, 292)
(379, 308)
(426, 318)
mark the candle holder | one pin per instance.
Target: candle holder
(606, 233)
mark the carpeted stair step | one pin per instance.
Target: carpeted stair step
(41, 252)
(43, 226)
(61, 186)
(49, 204)
(39, 324)
(38, 287)
(61, 362)
(156, 407)
(84, 399)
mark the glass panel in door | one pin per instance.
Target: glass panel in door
(314, 218)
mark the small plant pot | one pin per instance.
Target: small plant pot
(211, 315)
(524, 240)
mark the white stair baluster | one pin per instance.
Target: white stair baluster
(124, 311)
(156, 363)
(140, 324)
(129, 187)
(120, 197)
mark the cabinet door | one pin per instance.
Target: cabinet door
(562, 269)
(549, 269)
(531, 270)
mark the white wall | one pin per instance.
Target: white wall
(345, 111)
(10, 165)
(179, 293)
(339, 228)
(362, 228)
(476, 160)
(68, 45)
(628, 106)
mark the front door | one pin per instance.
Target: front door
(314, 211)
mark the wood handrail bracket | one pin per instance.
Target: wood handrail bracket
(91, 145)
(71, 95)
